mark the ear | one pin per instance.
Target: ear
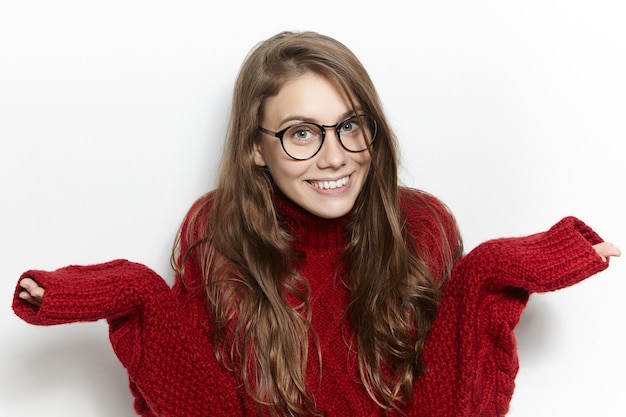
(258, 156)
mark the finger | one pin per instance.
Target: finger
(610, 250)
(24, 295)
(28, 284)
(37, 293)
(616, 251)
(606, 250)
(32, 289)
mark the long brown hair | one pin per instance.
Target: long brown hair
(249, 267)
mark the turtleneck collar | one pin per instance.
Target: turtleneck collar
(311, 232)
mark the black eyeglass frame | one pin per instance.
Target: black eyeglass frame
(323, 128)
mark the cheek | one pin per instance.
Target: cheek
(283, 171)
(364, 159)
(281, 167)
(269, 153)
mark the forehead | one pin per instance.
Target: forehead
(310, 97)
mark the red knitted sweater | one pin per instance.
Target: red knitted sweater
(160, 333)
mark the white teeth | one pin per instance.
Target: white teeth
(329, 185)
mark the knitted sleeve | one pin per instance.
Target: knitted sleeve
(170, 363)
(471, 351)
(88, 293)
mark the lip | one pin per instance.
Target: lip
(331, 185)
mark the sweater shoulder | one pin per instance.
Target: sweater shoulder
(196, 219)
(418, 203)
(426, 215)
(192, 235)
(432, 229)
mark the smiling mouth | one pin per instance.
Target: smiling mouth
(330, 185)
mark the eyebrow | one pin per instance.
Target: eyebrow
(297, 118)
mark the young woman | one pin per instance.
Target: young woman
(309, 282)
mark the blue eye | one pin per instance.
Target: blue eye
(303, 133)
(350, 126)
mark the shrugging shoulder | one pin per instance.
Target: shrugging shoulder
(161, 334)
(433, 231)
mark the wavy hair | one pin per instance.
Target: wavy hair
(250, 268)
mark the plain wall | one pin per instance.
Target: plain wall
(112, 116)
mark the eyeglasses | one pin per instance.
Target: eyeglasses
(304, 140)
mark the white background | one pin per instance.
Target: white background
(112, 116)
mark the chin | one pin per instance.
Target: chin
(331, 213)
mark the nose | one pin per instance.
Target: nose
(332, 154)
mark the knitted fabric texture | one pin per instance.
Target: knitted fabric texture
(160, 333)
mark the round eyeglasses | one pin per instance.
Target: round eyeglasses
(302, 141)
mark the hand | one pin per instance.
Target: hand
(33, 292)
(606, 250)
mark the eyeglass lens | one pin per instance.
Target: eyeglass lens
(303, 140)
